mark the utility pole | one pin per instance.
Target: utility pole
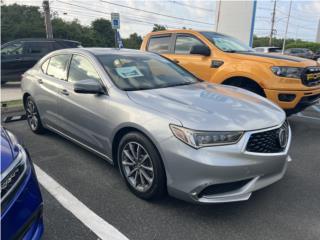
(47, 18)
(285, 34)
(272, 22)
(218, 15)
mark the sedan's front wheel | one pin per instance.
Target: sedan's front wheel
(141, 166)
(33, 116)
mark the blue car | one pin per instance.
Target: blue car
(21, 201)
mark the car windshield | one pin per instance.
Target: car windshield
(227, 43)
(140, 71)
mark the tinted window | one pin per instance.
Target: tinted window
(12, 49)
(275, 49)
(159, 44)
(44, 66)
(38, 47)
(58, 66)
(81, 69)
(185, 43)
(144, 71)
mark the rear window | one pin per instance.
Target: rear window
(159, 44)
(58, 66)
(40, 48)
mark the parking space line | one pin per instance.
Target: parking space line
(95, 223)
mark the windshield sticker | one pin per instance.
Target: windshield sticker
(129, 72)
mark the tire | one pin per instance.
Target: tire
(143, 182)
(33, 116)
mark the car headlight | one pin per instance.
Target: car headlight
(13, 175)
(198, 139)
(289, 72)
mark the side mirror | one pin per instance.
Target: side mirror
(201, 50)
(88, 86)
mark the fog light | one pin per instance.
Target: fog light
(284, 97)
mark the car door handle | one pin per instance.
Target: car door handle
(40, 81)
(64, 92)
(18, 59)
(175, 61)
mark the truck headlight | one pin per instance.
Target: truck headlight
(289, 72)
(198, 139)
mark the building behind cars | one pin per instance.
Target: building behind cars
(300, 52)
(19, 55)
(291, 82)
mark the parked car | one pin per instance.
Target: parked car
(20, 55)
(268, 49)
(300, 52)
(290, 82)
(165, 129)
(317, 55)
(21, 201)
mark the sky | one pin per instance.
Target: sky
(195, 14)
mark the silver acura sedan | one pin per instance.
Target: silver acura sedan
(165, 130)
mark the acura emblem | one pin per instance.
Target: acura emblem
(283, 137)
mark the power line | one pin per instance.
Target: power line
(155, 13)
(132, 19)
(105, 13)
(192, 6)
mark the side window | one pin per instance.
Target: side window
(44, 66)
(81, 69)
(159, 44)
(185, 43)
(58, 66)
(12, 49)
(40, 48)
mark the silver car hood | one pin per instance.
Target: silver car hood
(212, 107)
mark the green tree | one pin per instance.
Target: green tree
(158, 27)
(103, 33)
(134, 41)
(20, 21)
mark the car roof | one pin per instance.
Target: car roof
(102, 51)
(42, 40)
(184, 31)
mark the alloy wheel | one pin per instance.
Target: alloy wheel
(32, 115)
(137, 166)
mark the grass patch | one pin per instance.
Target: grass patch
(13, 103)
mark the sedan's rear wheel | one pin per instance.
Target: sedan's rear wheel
(33, 116)
(141, 166)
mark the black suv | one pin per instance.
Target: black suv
(19, 55)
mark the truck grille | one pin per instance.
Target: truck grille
(272, 141)
(311, 76)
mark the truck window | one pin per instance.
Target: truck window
(185, 43)
(159, 44)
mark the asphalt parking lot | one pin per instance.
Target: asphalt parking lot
(288, 209)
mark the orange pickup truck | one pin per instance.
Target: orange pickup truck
(292, 83)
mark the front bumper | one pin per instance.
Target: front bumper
(190, 172)
(302, 100)
(21, 218)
